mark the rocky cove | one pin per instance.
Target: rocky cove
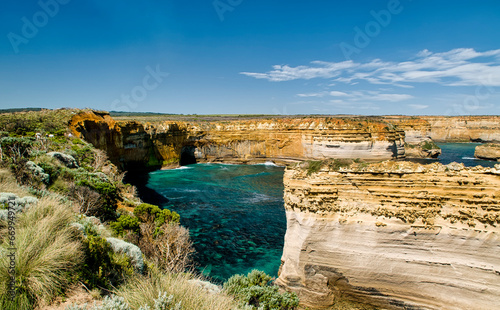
(392, 234)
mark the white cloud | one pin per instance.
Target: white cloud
(338, 94)
(418, 106)
(457, 67)
(366, 96)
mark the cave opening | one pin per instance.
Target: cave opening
(187, 155)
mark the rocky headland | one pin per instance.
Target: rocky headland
(489, 151)
(464, 128)
(397, 235)
(394, 234)
(418, 141)
(282, 140)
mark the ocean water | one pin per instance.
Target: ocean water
(461, 153)
(234, 213)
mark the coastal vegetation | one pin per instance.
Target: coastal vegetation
(68, 220)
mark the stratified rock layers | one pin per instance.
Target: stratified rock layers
(397, 235)
(488, 151)
(283, 140)
(464, 128)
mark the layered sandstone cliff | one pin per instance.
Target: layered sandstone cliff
(394, 234)
(282, 140)
(488, 151)
(418, 142)
(464, 128)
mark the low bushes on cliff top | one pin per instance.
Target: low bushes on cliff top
(256, 291)
(143, 290)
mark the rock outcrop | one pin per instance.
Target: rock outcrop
(418, 142)
(464, 128)
(488, 151)
(282, 140)
(395, 234)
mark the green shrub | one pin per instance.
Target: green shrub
(108, 192)
(125, 222)
(336, 164)
(52, 170)
(429, 145)
(102, 267)
(146, 212)
(256, 291)
(314, 166)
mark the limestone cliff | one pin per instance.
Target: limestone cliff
(394, 234)
(282, 140)
(488, 151)
(418, 142)
(464, 128)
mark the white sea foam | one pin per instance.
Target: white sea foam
(182, 168)
(469, 158)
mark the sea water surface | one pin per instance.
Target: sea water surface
(235, 213)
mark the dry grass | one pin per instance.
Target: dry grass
(171, 249)
(141, 290)
(8, 184)
(47, 254)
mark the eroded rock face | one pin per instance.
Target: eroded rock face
(396, 234)
(464, 128)
(282, 140)
(488, 151)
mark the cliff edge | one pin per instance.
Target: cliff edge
(282, 140)
(395, 234)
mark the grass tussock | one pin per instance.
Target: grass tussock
(143, 290)
(8, 184)
(47, 255)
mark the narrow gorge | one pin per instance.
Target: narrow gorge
(384, 231)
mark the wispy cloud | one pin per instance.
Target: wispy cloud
(367, 96)
(418, 106)
(457, 67)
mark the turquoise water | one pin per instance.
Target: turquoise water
(234, 213)
(462, 153)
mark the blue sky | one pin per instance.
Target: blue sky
(252, 57)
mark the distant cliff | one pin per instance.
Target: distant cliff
(448, 128)
(394, 234)
(418, 141)
(282, 140)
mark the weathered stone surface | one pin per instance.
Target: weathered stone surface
(488, 151)
(394, 234)
(282, 140)
(463, 128)
(67, 160)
